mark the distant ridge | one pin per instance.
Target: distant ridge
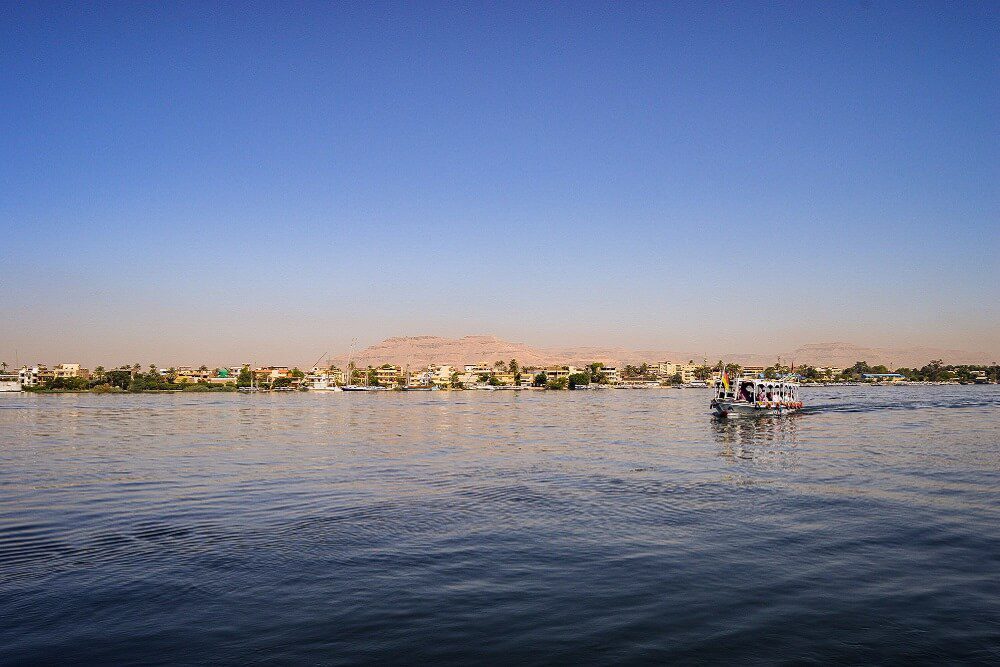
(420, 351)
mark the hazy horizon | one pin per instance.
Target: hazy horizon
(197, 183)
(289, 355)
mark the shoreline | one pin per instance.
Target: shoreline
(501, 389)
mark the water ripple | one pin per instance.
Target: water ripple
(488, 526)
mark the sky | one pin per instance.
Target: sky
(216, 183)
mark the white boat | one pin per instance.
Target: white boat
(755, 396)
(322, 382)
(10, 382)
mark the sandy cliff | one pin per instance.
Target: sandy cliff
(417, 351)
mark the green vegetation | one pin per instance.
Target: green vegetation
(131, 378)
(72, 384)
(640, 372)
(205, 387)
(127, 379)
(934, 371)
(703, 372)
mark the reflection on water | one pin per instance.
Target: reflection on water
(537, 527)
(763, 439)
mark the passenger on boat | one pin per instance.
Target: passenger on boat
(745, 392)
(761, 395)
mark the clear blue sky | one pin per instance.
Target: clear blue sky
(199, 182)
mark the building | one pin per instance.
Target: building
(273, 372)
(753, 370)
(329, 374)
(611, 374)
(388, 375)
(667, 369)
(186, 374)
(70, 371)
(441, 375)
(324, 377)
(505, 378)
(882, 377)
(556, 372)
(473, 373)
(33, 376)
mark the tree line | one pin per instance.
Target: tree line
(130, 378)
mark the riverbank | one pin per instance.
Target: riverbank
(229, 389)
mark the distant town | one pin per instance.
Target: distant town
(72, 377)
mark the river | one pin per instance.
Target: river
(525, 528)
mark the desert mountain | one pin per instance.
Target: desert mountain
(845, 354)
(417, 351)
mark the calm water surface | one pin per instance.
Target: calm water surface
(493, 526)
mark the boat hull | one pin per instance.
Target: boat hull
(737, 409)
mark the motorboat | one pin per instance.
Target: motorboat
(755, 396)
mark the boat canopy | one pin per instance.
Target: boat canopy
(758, 390)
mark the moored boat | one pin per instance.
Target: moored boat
(322, 382)
(10, 382)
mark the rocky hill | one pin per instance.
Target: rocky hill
(417, 351)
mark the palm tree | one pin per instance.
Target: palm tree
(99, 371)
(3, 364)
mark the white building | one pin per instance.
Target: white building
(33, 376)
(668, 369)
(69, 371)
(612, 375)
